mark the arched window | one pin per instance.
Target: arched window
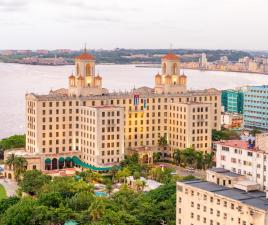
(88, 70)
(164, 69)
(77, 70)
(54, 164)
(174, 69)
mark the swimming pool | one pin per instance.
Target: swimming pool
(101, 194)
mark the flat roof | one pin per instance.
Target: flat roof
(255, 199)
(235, 144)
(225, 172)
(123, 95)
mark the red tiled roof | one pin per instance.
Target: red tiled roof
(235, 144)
(170, 56)
(85, 56)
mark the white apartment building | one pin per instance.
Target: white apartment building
(205, 202)
(243, 158)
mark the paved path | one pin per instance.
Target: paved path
(183, 172)
(10, 186)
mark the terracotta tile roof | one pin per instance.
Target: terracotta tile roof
(170, 56)
(235, 144)
(85, 56)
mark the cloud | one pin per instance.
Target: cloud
(86, 18)
(13, 5)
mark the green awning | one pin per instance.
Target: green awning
(68, 159)
(47, 161)
(78, 162)
(61, 160)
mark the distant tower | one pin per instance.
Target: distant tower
(203, 62)
(85, 83)
(170, 81)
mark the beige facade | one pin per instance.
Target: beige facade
(102, 135)
(56, 121)
(203, 202)
(33, 161)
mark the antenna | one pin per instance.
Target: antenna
(170, 47)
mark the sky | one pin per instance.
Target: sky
(108, 24)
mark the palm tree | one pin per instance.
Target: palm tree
(18, 164)
(109, 188)
(208, 159)
(113, 172)
(156, 156)
(177, 155)
(162, 142)
(10, 160)
(199, 160)
(96, 209)
(188, 156)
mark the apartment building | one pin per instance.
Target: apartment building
(256, 108)
(205, 202)
(249, 158)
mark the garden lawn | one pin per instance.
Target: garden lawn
(2, 192)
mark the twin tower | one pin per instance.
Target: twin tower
(86, 83)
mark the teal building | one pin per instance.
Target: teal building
(233, 101)
(256, 108)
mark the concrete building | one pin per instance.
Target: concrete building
(87, 123)
(249, 158)
(205, 202)
(233, 101)
(231, 120)
(203, 62)
(256, 108)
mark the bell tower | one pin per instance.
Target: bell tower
(170, 80)
(85, 83)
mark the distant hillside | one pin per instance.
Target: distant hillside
(126, 56)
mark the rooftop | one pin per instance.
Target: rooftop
(255, 199)
(235, 144)
(123, 95)
(170, 56)
(225, 172)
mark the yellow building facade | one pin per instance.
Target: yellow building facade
(56, 122)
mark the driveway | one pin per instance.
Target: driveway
(10, 186)
(201, 174)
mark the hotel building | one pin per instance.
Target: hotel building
(97, 127)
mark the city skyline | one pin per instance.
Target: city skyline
(151, 24)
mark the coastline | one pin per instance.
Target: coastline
(140, 65)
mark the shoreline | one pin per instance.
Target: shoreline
(140, 65)
(201, 70)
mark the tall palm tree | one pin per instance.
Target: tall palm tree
(199, 160)
(10, 160)
(177, 155)
(188, 156)
(20, 166)
(208, 159)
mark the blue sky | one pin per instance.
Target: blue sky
(107, 24)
